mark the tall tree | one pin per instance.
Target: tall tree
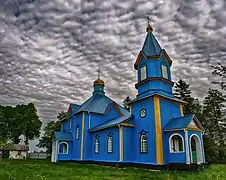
(220, 71)
(125, 103)
(29, 122)
(46, 139)
(183, 92)
(213, 116)
(19, 120)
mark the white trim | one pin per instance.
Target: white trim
(56, 150)
(53, 155)
(170, 143)
(203, 152)
(187, 148)
(89, 119)
(200, 146)
(70, 123)
(63, 142)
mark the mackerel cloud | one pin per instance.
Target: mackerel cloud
(50, 50)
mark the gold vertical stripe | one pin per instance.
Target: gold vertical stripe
(82, 140)
(158, 131)
(121, 142)
(181, 110)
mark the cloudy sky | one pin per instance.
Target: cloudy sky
(50, 49)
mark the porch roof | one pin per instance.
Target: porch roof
(66, 136)
(182, 123)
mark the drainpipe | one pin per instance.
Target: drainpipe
(187, 147)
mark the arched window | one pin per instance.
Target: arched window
(63, 148)
(143, 143)
(110, 142)
(165, 71)
(77, 132)
(97, 144)
(176, 143)
(143, 72)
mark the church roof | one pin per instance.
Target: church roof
(75, 108)
(66, 136)
(99, 103)
(182, 123)
(173, 98)
(151, 46)
(112, 123)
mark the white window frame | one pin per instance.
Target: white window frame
(165, 73)
(178, 144)
(77, 132)
(143, 72)
(110, 144)
(63, 149)
(143, 144)
(97, 145)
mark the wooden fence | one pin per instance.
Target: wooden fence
(37, 155)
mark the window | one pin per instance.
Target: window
(176, 143)
(165, 71)
(143, 144)
(97, 144)
(77, 132)
(143, 73)
(110, 142)
(63, 148)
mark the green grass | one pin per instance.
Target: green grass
(44, 170)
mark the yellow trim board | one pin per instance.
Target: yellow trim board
(181, 110)
(121, 142)
(158, 131)
(82, 139)
(194, 129)
(126, 124)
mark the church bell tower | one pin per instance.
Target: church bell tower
(153, 68)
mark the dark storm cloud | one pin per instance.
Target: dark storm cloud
(50, 50)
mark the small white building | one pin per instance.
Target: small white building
(18, 151)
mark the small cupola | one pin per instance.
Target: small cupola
(98, 85)
(149, 28)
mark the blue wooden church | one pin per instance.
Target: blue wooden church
(154, 131)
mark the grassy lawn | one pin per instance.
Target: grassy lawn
(44, 170)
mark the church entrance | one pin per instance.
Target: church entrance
(196, 150)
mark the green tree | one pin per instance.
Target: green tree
(220, 71)
(19, 120)
(213, 116)
(183, 92)
(46, 139)
(30, 123)
(125, 105)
